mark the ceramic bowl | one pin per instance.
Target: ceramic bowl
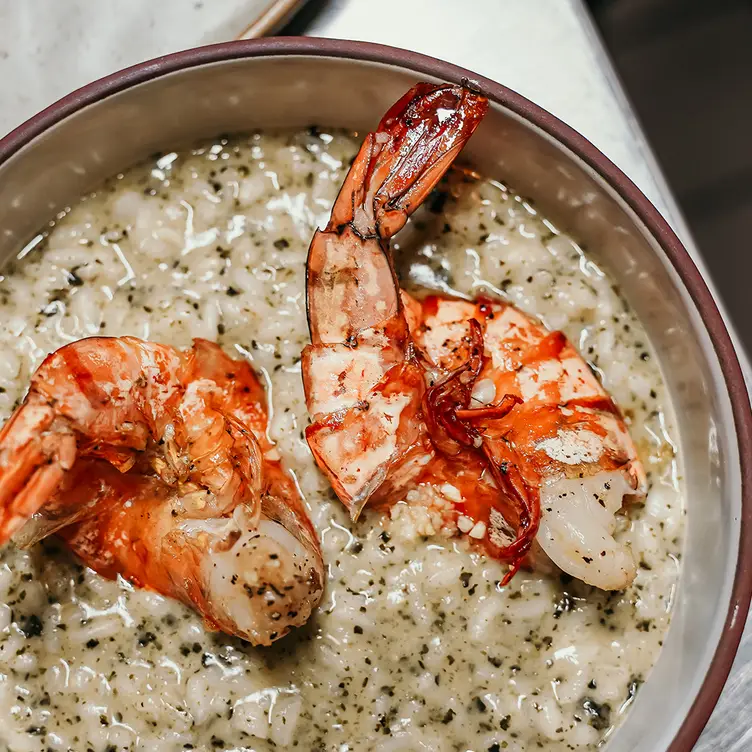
(103, 128)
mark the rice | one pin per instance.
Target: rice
(416, 646)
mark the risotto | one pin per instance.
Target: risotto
(416, 646)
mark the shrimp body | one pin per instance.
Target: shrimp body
(564, 433)
(472, 399)
(363, 383)
(154, 464)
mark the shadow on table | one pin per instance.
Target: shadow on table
(687, 68)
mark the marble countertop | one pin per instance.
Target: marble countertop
(546, 50)
(48, 48)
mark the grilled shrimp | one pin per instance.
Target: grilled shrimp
(476, 402)
(154, 464)
(536, 412)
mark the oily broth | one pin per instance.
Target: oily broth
(415, 645)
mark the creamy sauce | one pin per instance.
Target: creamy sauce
(415, 646)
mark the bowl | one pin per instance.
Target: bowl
(102, 128)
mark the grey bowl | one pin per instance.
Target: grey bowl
(106, 126)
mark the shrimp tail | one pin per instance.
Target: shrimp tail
(351, 284)
(35, 455)
(399, 164)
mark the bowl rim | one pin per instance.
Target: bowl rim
(691, 278)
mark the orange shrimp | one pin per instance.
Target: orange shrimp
(363, 383)
(550, 435)
(473, 400)
(155, 465)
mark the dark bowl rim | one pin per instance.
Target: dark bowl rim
(690, 276)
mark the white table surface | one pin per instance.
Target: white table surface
(545, 49)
